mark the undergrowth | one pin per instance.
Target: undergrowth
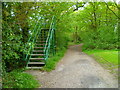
(19, 79)
(53, 60)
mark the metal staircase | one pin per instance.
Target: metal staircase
(40, 45)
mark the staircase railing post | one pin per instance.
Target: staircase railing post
(50, 41)
(54, 36)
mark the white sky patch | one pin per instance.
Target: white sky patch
(111, 1)
(118, 1)
(59, 0)
(12, 13)
(30, 17)
(20, 29)
(82, 8)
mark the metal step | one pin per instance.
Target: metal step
(40, 41)
(36, 63)
(36, 58)
(45, 36)
(44, 29)
(37, 54)
(38, 51)
(34, 67)
(38, 47)
(40, 44)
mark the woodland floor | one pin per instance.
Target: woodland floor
(76, 70)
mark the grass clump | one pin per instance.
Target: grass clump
(52, 61)
(19, 79)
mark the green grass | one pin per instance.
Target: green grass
(109, 55)
(52, 61)
(107, 58)
(19, 79)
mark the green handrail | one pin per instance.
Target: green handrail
(49, 39)
(32, 39)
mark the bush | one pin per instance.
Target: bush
(102, 38)
(19, 79)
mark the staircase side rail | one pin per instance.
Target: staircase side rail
(49, 38)
(31, 40)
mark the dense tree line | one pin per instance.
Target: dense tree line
(93, 23)
(97, 25)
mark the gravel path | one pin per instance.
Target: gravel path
(76, 70)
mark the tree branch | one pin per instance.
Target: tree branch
(116, 4)
(112, 11)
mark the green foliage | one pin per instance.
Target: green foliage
(98, 27)
(91, 23)
(109, 55)
(52, 61)
(19, 79)
(12, 37)
(19, 19)
(16, 27)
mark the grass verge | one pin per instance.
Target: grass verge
(52, 61)
(107, 58)
(19, 79)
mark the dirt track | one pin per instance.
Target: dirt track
(76, 70)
